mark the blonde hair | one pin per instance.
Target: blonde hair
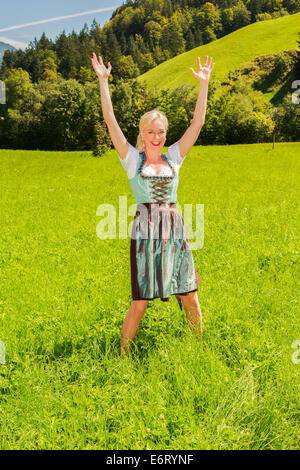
(145, 120)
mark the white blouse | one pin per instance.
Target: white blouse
(130, 162)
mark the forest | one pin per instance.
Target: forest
(140, 35)
(52, 89)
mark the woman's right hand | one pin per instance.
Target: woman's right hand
(99, 67)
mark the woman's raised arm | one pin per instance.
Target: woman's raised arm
(118, 139)
(191, 134)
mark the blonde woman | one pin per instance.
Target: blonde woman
(161, 259)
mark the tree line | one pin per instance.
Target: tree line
(67, 115)
(53, 100)
(140, 35)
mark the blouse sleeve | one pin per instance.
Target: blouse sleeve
(130, 161)
(174, 153)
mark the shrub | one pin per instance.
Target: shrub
(102, 140)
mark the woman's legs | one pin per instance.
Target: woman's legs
(193, 311)
(131, 323)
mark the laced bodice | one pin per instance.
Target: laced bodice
(158, 189)
(160, 184)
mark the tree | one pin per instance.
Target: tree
(24, 102)
(254, 7)
(227, 20)
(102, 141)
(158, 55)
(190, 40)
(86, 75)
(172, 38)
(98, 38)
(63, 115)
(133, 48)
(263, 17)
(287, 119)
(209, 16)
(167, 9)
(44, 43)
(141, 45)
(122, 96)
(208, 35)
(18, 85)
(49, 66)
(7, 64)
(184, 18)
(292, 6)
(127, 67)
(114, 51)
(146, 62)
(241, 16)
(153, 31)
(68, 52)
(282, 64)
(198, 37)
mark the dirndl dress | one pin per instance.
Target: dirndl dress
(161, 259)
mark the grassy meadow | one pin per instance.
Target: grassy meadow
(64, 294)
(228, 52)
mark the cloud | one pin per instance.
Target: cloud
(58, 18)
(12, 42)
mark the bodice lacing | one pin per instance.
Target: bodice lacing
(160, 184)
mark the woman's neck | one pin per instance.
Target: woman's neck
(153, 157)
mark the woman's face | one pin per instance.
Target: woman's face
(154, 136)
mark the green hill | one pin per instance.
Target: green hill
(229, 52)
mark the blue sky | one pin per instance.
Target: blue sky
(20, 12)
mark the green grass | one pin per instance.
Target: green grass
(64, 294)
(228, 53)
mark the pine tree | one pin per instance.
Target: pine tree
(123, 44)
(114, 50)
(133, 49)
(44, 43)
(172, 38)
(190, 40)
(68, 51)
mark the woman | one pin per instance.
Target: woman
(160, 255)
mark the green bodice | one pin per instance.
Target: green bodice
(154, 188)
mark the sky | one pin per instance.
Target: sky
(17, 16)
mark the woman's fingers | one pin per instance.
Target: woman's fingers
(99, 67)
(95, 61)
(207, 63)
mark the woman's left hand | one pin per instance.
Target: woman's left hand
(204, 72)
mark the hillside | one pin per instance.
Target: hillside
(142, 34)
(4, 47)
(229, 52)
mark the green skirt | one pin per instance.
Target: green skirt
(161, 259)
